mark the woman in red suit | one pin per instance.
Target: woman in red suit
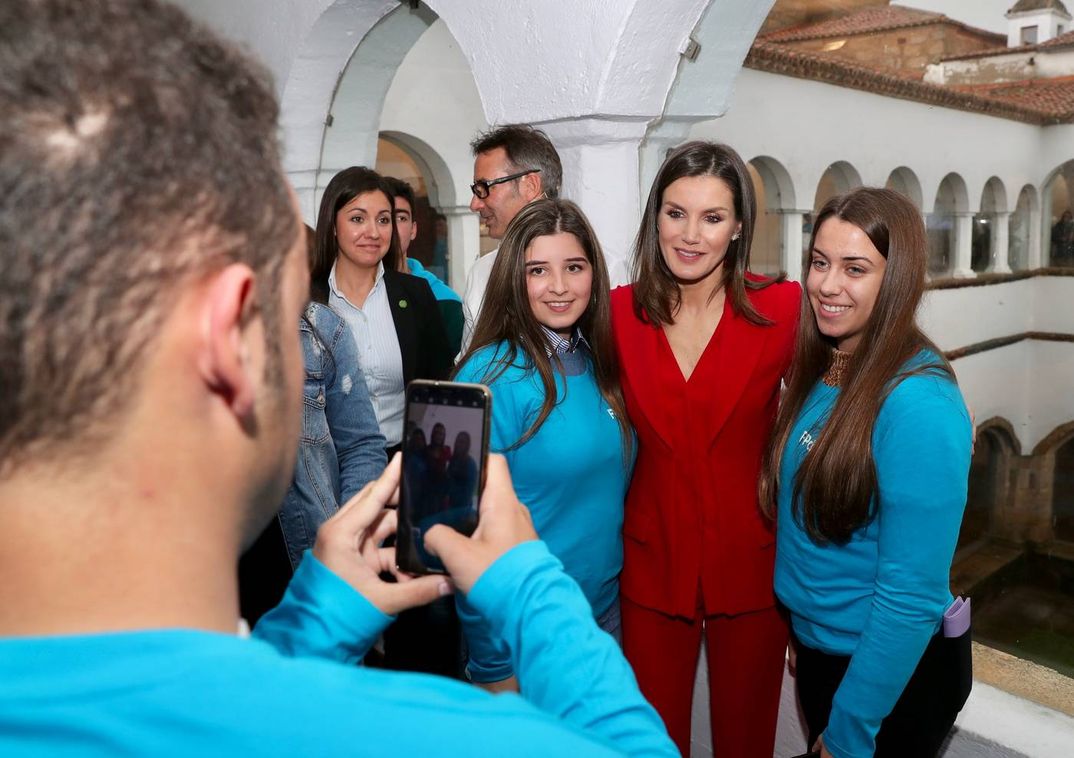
(703, 346)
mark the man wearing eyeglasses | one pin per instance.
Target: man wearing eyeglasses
(514, 165)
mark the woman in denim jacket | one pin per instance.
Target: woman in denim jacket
(341, 448)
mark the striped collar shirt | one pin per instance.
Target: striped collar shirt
(561, 345)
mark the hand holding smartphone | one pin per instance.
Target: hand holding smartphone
(445, 452)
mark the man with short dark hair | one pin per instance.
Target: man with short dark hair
(514, 165)
(406, 226)
(154, 269)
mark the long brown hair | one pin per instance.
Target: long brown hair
(506, 315)
(835, 487)
(656, 292)
(344, 187)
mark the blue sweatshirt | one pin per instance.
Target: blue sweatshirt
(880, 597)
(570, 474)
(290, 691)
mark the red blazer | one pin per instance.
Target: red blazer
(692, 518)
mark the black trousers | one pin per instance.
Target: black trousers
(426, 639)
(924, 713)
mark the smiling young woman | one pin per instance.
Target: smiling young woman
(543, 344)
(703, 346)
(867, 478)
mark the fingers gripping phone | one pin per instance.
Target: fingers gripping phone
(445, 448)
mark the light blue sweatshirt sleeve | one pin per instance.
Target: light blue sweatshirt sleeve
(489, 659)
(321, 616)
(922, 452)
(566, 665)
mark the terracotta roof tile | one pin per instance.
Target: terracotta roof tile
(868, 21)
(1017, 105)
(1054, 97)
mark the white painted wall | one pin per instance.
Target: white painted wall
(433, 97)
(1047, 21)
(1009, 67)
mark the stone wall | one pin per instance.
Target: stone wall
(786, 13)
(905, 50)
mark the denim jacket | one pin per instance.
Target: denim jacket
(341, 448)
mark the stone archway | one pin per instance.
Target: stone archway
(988, 481)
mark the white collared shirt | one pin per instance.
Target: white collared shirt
(379, 356)
(476, 282)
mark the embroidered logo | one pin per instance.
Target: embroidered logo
(610, 412)
(807, 440)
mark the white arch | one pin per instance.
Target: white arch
(955, 187)
(442, 191)
(994, 196)
(843, 176)
(779, 187)
(311, 84)
(905, 181)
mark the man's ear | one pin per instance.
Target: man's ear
(413, 230)
(224, 360)
(532, 187)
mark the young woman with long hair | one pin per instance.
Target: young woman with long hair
(543, 344)
(867, 477)
(703, 346)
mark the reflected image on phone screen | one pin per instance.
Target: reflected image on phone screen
(443, 459)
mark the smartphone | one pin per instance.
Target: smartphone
(445, 449)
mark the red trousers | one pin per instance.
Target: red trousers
(745, 653)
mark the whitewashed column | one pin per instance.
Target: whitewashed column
(464, 243)
(600, 173)
(1039, 234)
(792, 241)
(963, 253)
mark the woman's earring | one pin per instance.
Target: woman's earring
(735, 236)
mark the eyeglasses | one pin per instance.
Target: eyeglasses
(481, 187)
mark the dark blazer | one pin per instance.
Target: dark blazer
(692, 519)
(419, 326)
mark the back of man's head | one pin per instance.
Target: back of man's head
(137, 155)
(526, 148)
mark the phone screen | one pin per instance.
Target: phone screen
(445, 443)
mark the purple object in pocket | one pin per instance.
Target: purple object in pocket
(956, 619)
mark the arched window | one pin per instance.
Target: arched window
(430, 246)
(1020, 230)
(941, 225)
(987, 471)
(1061, 235)
(766, 254)
(1063, 492)
(838, 178)
(984, 239)
(905, 182)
